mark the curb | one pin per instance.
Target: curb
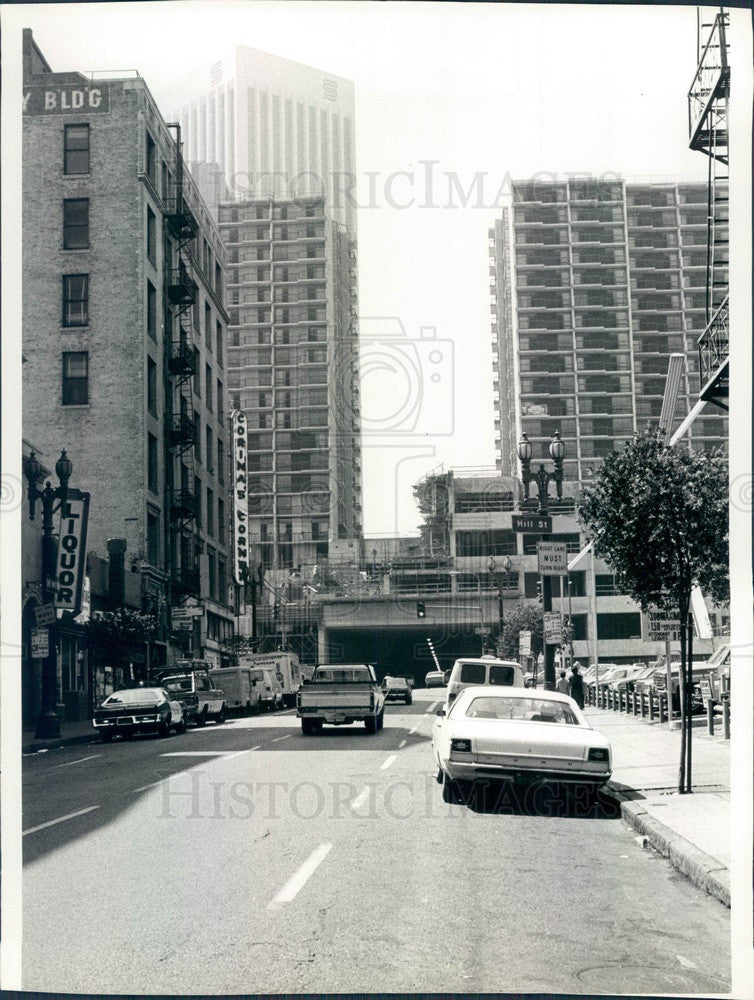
(62, 741)
(703, 870)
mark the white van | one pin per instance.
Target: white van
(286, 668)
(483, 670)
(242, 692)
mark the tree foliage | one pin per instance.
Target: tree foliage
(119, 631)
(659, 516)
(522, 618)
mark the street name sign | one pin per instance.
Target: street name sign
(44, 615)
(40, 647)
(552, 558)
(540, 524)
(524, 643)
(553, 628)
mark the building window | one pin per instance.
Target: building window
(198, 500)
(626, 625)
(208, 450)
(76, 149)
(211, 580)
(208, 326)
(219, 343)
(76, 223)
(153, 538)
(197, 438)
(152, 463)
(222, 580)
(151, 160)
(218, 281)
(210, 512)
(221, 521)
(208, 386)
(75, 378)
(220, 400)
(220, 461)
(197, 375)
(152, 386)
(75, 299)
(151, 311)
(151, 236)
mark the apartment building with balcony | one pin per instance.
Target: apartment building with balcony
(595, 284)
(124, 336)
(293, 369)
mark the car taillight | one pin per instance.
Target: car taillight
(462, 746)
(598, 753)
(371, 699)
(451, 696)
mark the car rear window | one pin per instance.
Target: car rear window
(137, 696)
(353, 675)
(500, 674)
(177, 684)
(473, 673)
(522, 709)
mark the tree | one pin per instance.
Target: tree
(119, 633)
(523, 618)
(659, 516)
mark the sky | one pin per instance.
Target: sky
(484, 93)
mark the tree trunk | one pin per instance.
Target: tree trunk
(684, 765)
(689, 691)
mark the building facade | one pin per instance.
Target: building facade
(293, 369)
(124, 337)
(595, 284)
(277, 129)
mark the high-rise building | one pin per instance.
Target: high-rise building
(293, 369)
(277, 129)
(595, 285)
(124, 336)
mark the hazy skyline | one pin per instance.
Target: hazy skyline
(451, 101)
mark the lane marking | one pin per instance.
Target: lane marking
(256, 747)
(432, 707)
(78, 760)
(686, 962)
(143, 788)
(279, 738)
(402, 744)
(297, 881)
(60, 819)
(196, 753)
(388, 762)
(412, 731)
(360, 799)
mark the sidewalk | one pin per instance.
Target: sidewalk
(71, 733)
(692, 831)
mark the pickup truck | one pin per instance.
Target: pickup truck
(339, 694)
(189, 682)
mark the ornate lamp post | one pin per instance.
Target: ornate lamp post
(505, 568)
(543, 478)
(48, 723)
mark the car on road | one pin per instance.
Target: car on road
(190, 683)
(515, 734)
(138, 710)
(397, 689)
(435, 679)
(241, 689)
(339, 694)
(484, 670)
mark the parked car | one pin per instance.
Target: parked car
(397, 689)
(189, 682)
(622, 678)
(634, 677)
(138, 710)
(285, 667)
(484, 670)
(241, 689)
(269, 687)
(516, 734)
(717, 668)
(435, 679)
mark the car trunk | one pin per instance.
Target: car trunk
(529, 739)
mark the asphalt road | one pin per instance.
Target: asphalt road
(247, 858)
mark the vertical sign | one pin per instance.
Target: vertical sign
(240, 498)
(71, 566)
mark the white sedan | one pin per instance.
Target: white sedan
(516, 734)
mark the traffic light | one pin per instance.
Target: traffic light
(539, 590)
(421, 611)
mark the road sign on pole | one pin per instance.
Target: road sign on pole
(524, 643)
(538, 524)
(40, 646)
(552, 558)
(553, 628)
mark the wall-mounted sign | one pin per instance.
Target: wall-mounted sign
(40, 646)
(538, 524)
(552, 558)
(72, 99)
(553, 628)
(240, 497)
(74, 517)
(44, 614)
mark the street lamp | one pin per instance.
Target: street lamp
(48, 723)
(505, 567)
(543, 478)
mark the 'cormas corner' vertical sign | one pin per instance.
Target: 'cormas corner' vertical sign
(240, 497)
(71, 566)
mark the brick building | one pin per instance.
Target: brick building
(124, 337)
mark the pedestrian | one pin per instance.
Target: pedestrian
(563, 686)
(577, 686)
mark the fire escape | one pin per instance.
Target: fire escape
(708, 133)
(180, 361)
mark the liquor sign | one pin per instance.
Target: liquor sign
(240, 497)
(552, 558)
(524, 643)
(44, 614)
(553, 628)
(538, 524)
(74, 518)
(40, 646)
(76, 99)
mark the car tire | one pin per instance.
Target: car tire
(439, 776)
(448, 789)
(247, 710)
(381, 719)
(201, 719)
(181, 727)
(409, 699)
(163, 730)
(106, 736)
(370, 724)
(307, 727)
(220, 717)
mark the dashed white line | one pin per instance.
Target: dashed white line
(412, 731)
(78, 760)
(360, 799)
(297, 881)
(279, 738)
(60, 819)
(143, 788)
(388, 762)
(256, 747)
(196, 753)
(402, 744)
